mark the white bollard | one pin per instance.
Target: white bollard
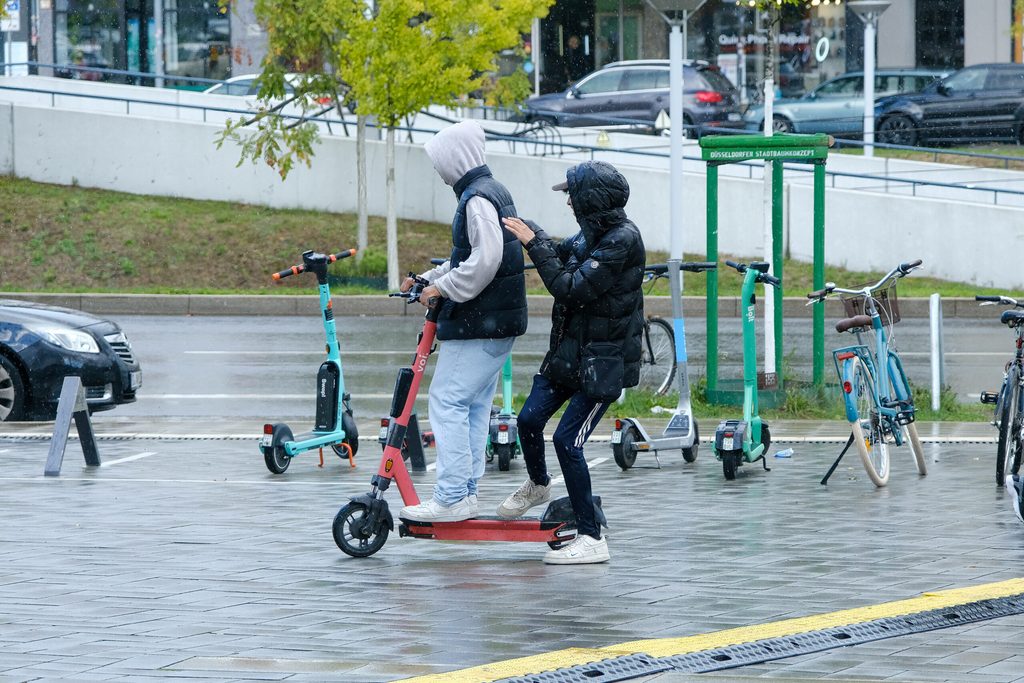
(938, 364)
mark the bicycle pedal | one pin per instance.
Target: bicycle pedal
(990, 397)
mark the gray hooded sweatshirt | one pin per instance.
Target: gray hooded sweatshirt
(455, 151)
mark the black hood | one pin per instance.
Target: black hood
(27, 312)
(598, 193)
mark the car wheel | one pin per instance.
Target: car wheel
(690, 131)
(12, 391)
(897, 130)
(780, 124)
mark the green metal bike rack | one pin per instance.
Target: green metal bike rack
(719, 150)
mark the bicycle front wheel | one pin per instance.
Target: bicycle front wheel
(658, 357)
(1008, 416)
(868, 433)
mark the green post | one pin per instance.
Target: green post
(777, 249)
(712, 278)
(730, 149)
(819, 271)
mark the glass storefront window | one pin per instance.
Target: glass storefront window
(811, 48)
(121, 34)
(196, 39)
(88, 33)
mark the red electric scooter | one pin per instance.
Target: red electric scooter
(362, 525)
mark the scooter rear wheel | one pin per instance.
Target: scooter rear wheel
(731, 463)
(624, 452)
(690, 454)
(504, 453)
(351, 534)
(274, 456)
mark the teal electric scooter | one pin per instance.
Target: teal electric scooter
(503, 435)
(334, 426)
(747, 440)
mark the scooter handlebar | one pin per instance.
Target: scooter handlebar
(769, 279)
(331, 258)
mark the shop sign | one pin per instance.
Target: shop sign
(11, 21)
(790, 39)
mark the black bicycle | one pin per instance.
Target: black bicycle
(1009, 400)
(658, 355)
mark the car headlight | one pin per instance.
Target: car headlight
(72, 340)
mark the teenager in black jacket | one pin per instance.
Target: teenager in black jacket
(595, 278)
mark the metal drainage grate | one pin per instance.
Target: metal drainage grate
(605, 671)
(770, 649)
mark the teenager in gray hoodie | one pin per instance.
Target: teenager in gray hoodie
(482, 295)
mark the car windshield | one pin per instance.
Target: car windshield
(606, 81)
(841, 87)
(968, 79)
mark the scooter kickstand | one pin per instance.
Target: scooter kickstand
(764, 463)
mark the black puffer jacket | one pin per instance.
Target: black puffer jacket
(594, 276)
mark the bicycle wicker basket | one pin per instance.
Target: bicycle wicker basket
(885, 301)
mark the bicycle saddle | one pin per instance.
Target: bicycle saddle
(847, 324)
(1012, 318)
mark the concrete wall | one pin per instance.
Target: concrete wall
(865, 230)
(987, 31)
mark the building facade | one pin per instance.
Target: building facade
(817, 40)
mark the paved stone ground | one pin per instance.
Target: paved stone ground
(194, 562)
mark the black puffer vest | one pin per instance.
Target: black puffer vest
(500, 310)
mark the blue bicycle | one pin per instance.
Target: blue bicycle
(879, 405)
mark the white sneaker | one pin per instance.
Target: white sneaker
(432, 511)
(1015, 487)
(526, 496)
(583, 549)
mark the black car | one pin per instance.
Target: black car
(638, 91)
(41, 345)
(980, 102)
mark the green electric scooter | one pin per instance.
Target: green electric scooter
(747, 440)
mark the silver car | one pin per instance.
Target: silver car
(836, 107)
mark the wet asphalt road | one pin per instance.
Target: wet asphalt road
(263, 368)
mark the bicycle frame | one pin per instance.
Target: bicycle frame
(891, 397)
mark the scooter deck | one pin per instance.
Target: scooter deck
(489, 529)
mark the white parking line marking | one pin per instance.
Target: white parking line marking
(5, 450)
(319, 352)
(221, 397)
(139, 456)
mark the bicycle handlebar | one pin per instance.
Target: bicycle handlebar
(301, 268)
(991, 300)
(902, 270)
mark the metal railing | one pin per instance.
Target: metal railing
(536, 140)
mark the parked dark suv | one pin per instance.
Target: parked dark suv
(637, 91)
(985, 101)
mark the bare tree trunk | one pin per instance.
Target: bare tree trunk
(362, 229)
(392, 222)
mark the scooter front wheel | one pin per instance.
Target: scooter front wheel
(351, 532)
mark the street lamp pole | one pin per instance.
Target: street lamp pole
(869, 11)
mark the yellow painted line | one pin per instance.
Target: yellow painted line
(667, 647)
